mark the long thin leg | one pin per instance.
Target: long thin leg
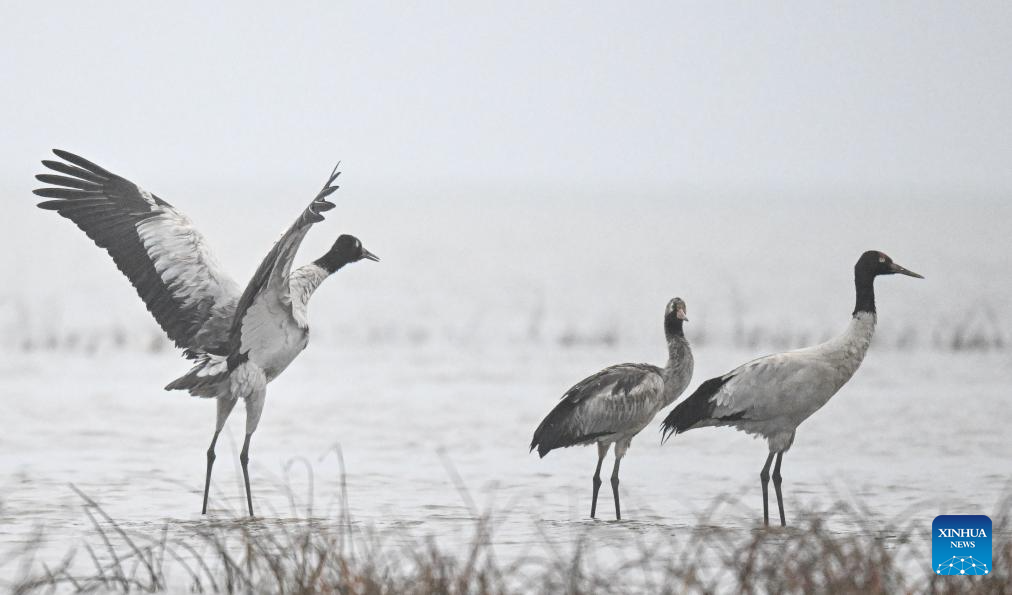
(776, 486)
(620, 449)
(254, 407)
(210, 463)
(244, 459)
(602, 450)
(764, 476)
(614, 485)
(224, 409)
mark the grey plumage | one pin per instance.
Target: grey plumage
(165, 258)
(270, 283)
(615, 404)
(601, 407)
(771, 396)
(699, 408)
(240, 342)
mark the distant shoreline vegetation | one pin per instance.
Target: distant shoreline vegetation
(978, 329)
(306, 553)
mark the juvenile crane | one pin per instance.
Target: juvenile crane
(771, 396)
(239, 342)
(613, 405)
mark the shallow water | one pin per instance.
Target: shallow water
(913, 435)
(440, 361)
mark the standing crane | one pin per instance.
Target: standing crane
(613, 405)
(771, 396)
(239, 342)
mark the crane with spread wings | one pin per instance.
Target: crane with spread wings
(239, 341)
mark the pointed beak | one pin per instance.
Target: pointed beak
(680, 314)
(902, 271)
(369, 255)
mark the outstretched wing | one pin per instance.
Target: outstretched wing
(166, 259)
(616, 399)
(267, 298)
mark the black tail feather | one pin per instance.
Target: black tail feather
(554, 432)
(698, 407)
(545, 446)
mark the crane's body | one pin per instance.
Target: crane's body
(771, 396)
(238, 341)
(615, 404)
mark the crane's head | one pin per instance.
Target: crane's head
(674, 316)
(345, 250)
(873, 263)
(352, 250)
(676, 308)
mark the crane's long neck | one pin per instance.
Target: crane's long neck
(301, 284)
(847, 351)
(864, 284)
(679, 355)
(332, 261)
(678, 371)
(306, 279)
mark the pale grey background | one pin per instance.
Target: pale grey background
(572, 163)
(799, 96)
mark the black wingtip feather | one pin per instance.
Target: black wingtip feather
(70, 170)
(81, 162)
(65, 193)
(549, 437)
(333, 175)
(538, 442)
(68, 182)
(108, 208)
(51, 205)
(698, 407)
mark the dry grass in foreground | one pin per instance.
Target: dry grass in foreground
(310, 556)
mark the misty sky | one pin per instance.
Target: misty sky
(596, 157)
(907, 96)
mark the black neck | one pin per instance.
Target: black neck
(864, 283)
(331, 262)
(673, 326)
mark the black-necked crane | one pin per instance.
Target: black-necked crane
(613, 405)
(239, 341)
(769, 397)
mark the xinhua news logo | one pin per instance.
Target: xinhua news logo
(961, 544)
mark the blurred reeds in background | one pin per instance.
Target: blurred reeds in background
(977, 328)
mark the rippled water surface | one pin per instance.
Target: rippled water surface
(912, 436)
(442, 359)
